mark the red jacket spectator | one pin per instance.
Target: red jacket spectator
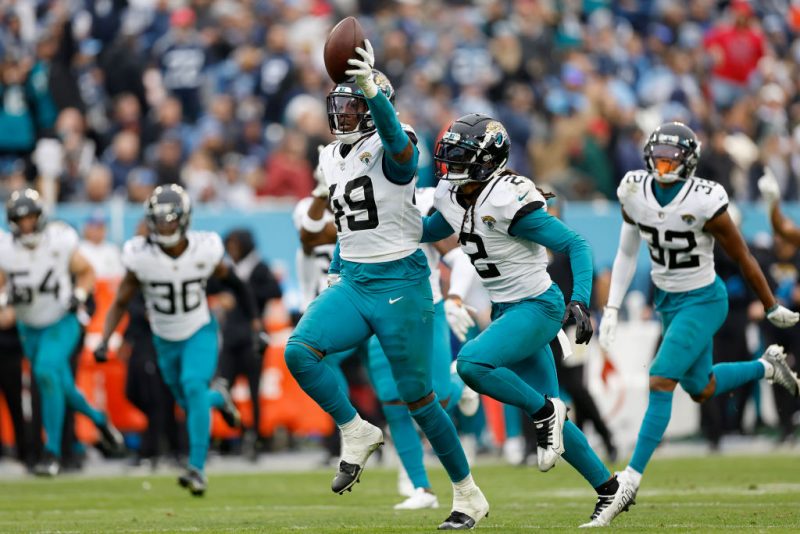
(288, 173)
(736, 48)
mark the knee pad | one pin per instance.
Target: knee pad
(472, 373)
(193, 389)
(298, 356)
(46, 379)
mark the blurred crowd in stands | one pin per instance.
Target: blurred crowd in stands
(113, 97)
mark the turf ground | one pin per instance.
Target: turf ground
(746, 494)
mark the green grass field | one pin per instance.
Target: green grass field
(717, 494)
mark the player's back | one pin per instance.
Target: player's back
(682, 252)
(510, 268)
(39, 277)
(175, 288)
(375, 218)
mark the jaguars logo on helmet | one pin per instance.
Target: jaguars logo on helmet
(473, 149)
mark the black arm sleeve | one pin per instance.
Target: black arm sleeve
(243, 295)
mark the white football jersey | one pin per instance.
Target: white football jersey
(312, 269)
(424, 202)
(39, 279)
(510, 268)
(376, 219)
(682, 253)
(175, 288)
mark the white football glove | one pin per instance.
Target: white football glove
(608, 328)
(333, 279)
(458, 317)
(769, 188)
(363, 70)
(782, 317)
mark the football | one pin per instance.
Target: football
(340, 46)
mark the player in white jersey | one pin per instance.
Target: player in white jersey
(38, 260)
(679, 217)
(502, 224)
(317, 230)
(384, 289)
(171, 267)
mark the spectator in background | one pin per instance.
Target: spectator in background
(122, 157)
(79, 154)
(238, 356)
(168, 159)
(735, 50)
(141, 182)
(18, 125)
(181, 58)
(781, 265)
(288, 172)
(27, 434)
(200, 177)
(104, 256)
(98, 184)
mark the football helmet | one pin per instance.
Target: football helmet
(672, 152)
(168, 212)
(473, 149)
(348, 114)
(21, 204)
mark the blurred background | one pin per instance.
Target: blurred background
(101, 101)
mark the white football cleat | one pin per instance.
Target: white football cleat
(404, 485)
(781, 373)
(550, 436)
(419, 500)
(469, 507)
(610, 506)
(514, 450)
(357, 446)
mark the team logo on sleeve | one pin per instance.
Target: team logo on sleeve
(489, 221)
(688, 219)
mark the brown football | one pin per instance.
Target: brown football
(340, 46)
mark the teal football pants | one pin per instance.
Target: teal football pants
(402, 318)
(187, 367)
(49, 350)
(511, 361)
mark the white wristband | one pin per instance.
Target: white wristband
(314, 226)
(80, 294)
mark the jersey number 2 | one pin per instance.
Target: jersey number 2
(485, 270)
(657, 252)
(367, 204)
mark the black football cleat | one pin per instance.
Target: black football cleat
(48, 466)
(194, 481)
(229, 411)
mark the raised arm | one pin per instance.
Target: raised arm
(781, 225)
(401, 165)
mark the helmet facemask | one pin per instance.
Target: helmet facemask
(348, 115)
(168, 214)
(672, 153)
(460, 161)
(21, 206)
